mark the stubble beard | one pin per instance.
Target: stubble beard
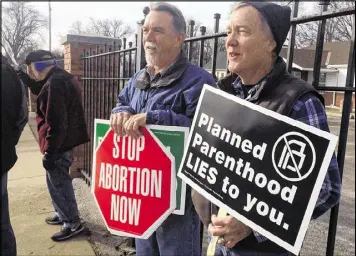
(152, 59)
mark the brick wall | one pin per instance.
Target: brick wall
(339, 97)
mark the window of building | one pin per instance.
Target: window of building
(322, 79)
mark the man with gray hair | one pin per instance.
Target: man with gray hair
(165, 92)
(256, 32)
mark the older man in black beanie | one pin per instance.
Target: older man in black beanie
(255, 34)
(61, 127)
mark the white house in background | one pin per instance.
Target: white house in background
(333, 68)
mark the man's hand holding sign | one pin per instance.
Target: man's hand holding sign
(229, 230)
(127, 183)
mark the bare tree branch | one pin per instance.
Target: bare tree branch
(111, 28)
(21, 27)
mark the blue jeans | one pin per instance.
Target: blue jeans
(178, 235)
(8, 241)
(60, 188)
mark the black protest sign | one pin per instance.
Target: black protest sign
(263, 168)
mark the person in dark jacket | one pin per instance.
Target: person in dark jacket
(255, 34)
(14, 116)
(61, 127)
(165, 92)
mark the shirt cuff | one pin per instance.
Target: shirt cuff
(123, 109)
(260, 238)
(152, 117)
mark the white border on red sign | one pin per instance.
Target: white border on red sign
(310, 208)
(172, 207)
(181, 210)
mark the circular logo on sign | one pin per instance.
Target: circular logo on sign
(293, 156)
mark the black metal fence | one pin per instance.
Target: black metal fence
(107, 69)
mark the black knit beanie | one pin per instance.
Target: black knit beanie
(278, 19)
(39, 55)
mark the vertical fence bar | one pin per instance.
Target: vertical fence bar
(215, 47)
(92, 109)
(113, 75)
(290, 53)
(119, 71)
(140, 53)
(190, 44)
(201, 48)
(341, 151)
(96, 84)
(130, 60)
(124, 74)
(109, 81)
(136, 43)
(102, 82)
(85, 105)
(319, 45)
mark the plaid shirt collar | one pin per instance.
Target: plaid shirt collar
(279, 67)
(237, 86)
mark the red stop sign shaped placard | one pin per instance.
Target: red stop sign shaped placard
(133, 183)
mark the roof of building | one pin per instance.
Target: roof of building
(339, 52)
(304, 58)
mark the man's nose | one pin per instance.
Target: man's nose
(231, 40)
(149, 37)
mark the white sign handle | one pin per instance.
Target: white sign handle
(214, 241)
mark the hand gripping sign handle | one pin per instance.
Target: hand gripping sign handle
(214, 241)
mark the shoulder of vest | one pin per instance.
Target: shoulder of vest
(301, 87)
(281, 95)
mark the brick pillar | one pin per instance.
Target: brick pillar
(74, 46)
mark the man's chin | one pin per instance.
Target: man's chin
(151, 61)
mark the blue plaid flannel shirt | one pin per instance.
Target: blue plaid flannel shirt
(309, 110)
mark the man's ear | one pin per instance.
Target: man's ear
(272, 45)
(180, 40)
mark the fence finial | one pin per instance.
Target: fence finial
(324, 2)
(146, 10)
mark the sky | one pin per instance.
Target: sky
(63, 14)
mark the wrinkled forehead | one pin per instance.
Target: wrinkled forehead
(244, 16)
(159, 19)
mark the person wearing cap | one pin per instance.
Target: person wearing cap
(165, 92)
(61, 127)
(256, 32)
(14, 117)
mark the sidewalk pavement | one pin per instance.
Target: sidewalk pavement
(30, 204)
